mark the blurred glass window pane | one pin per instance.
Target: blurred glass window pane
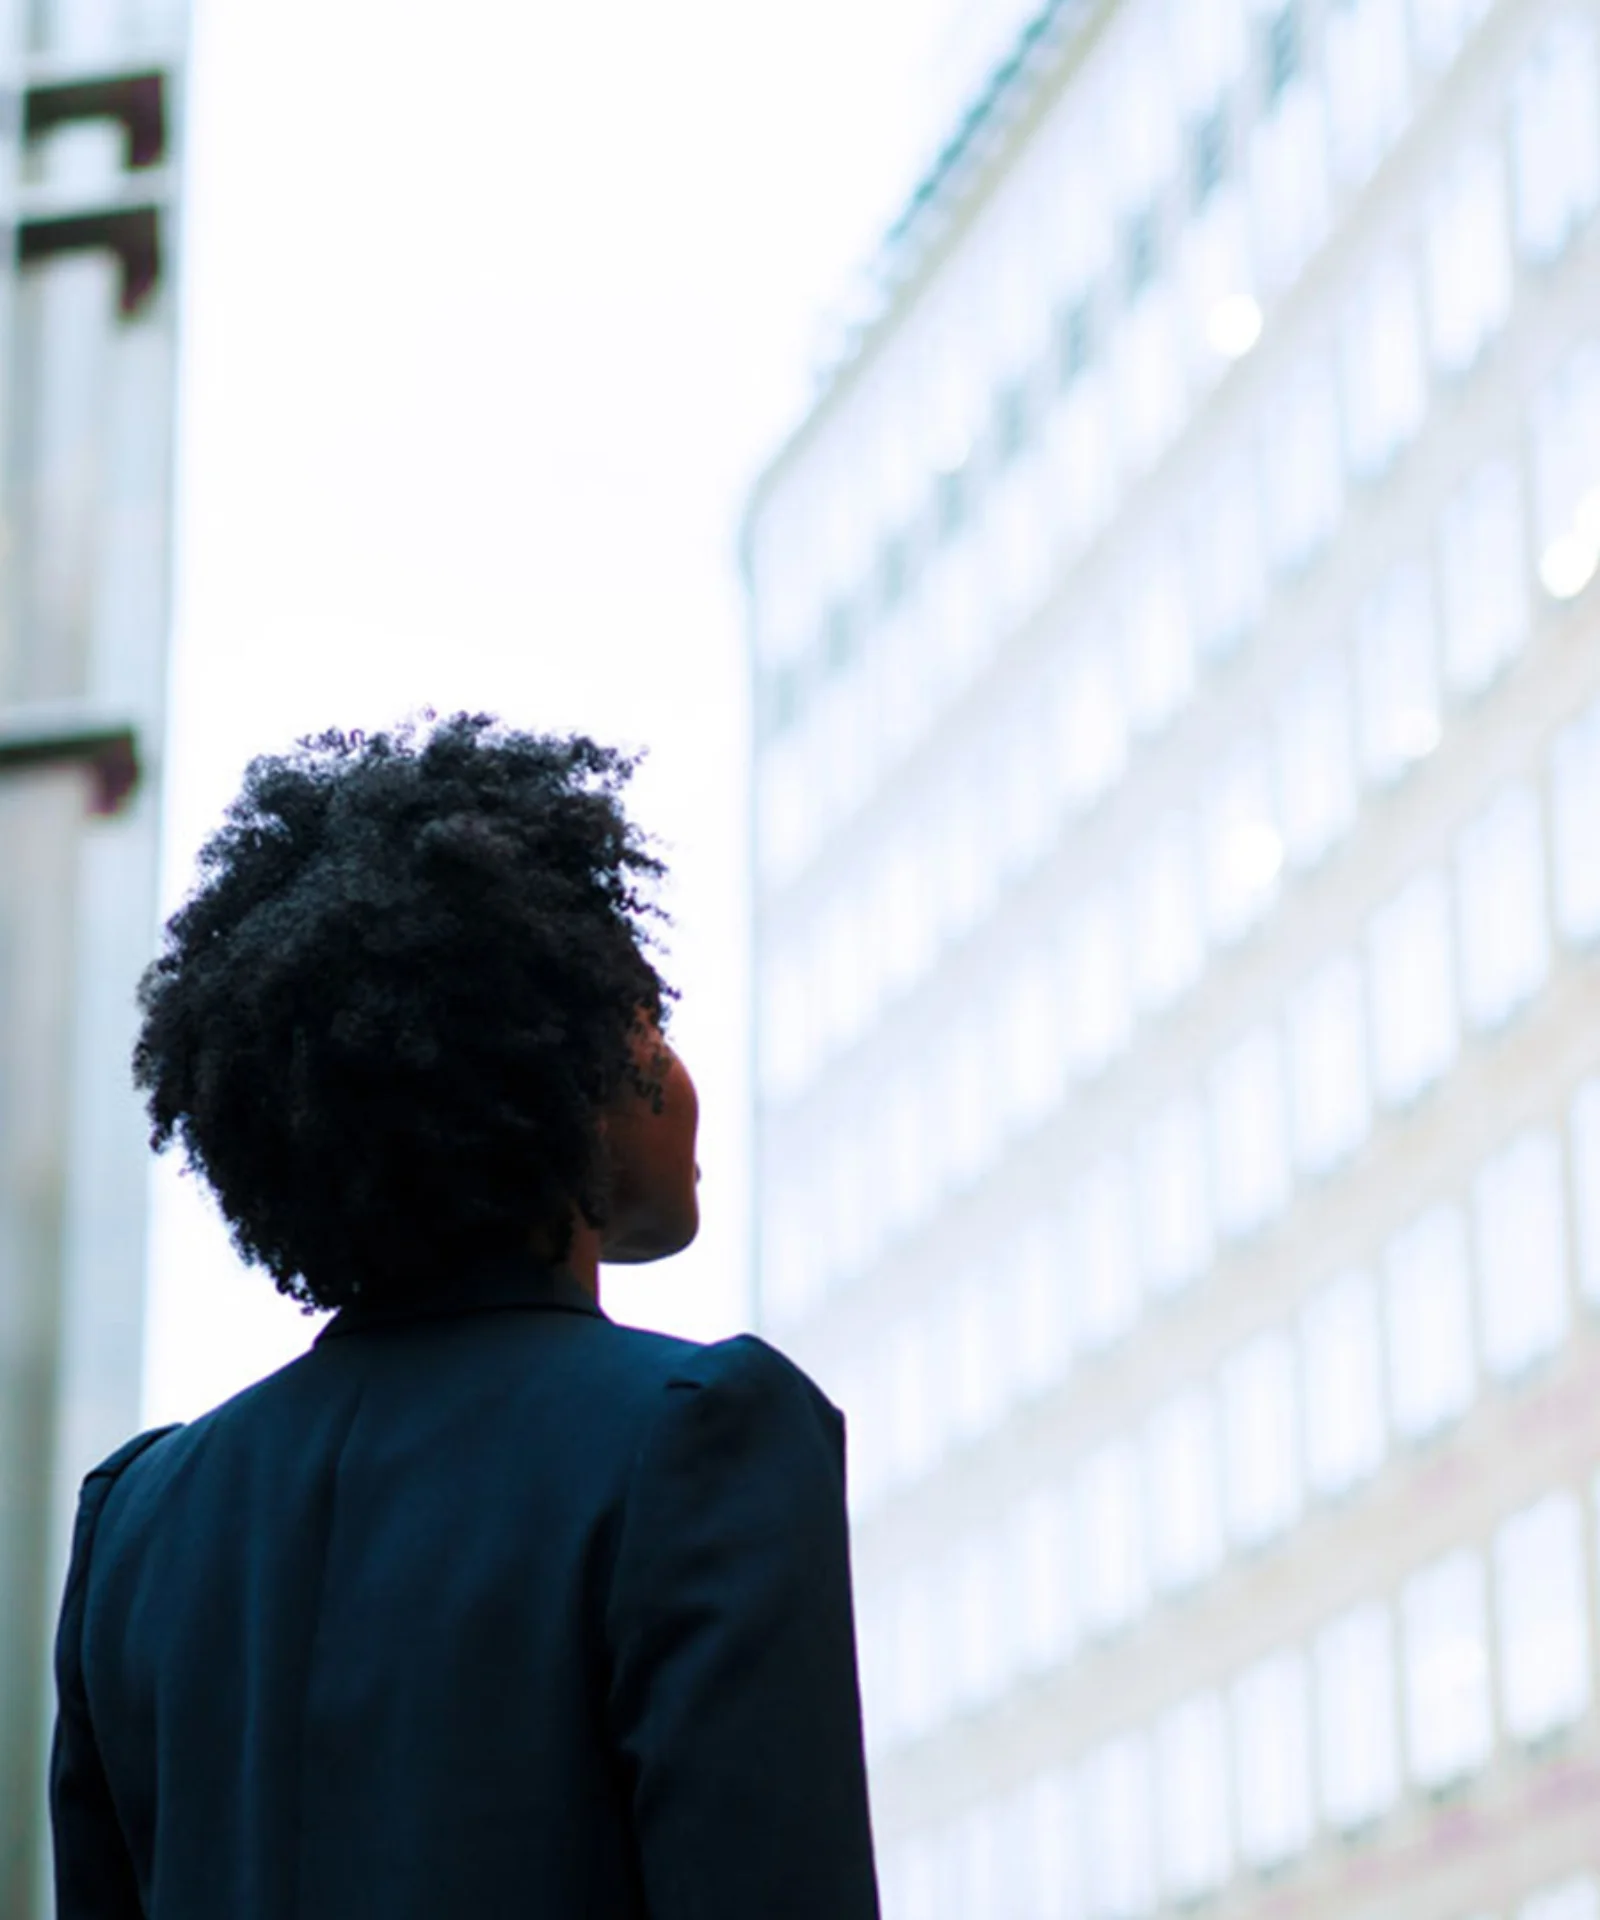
(1272, 1760)
(916, 1685)
(1096, 1014)
(1102, 1254)
(1157, 645)
(977, 1650)
(1574, 1899)
(1044, 1621)
(1385, 383)
(1119, 1830)
(1226, 571)
(1522, 1253)
(1357, 1700)
(1555, 137)
(1045, 1880)
(1368, 83)
(1443, 27)
(1301, 458)
(1091, 727)
(1576, 843)
(1428, 1315)
(1289, 180)
(1249, 1134)
(1080, 460)
(1328, 1065)
(1192, 1799)
(1449, 1730)
(973, 1351)
(1222, 317)
(1586, 1186)
(913, 1439)
(1183, 1470)
(1032, 1063)
(1342, 1367)
(1174, 1211)
(1468, 253)
(1413, 997)
(1566, 454)
(1485, 578)
(1260, 1439)
(1316, 761)
(1541, 1605)
(1043, 1313)
(1397, 674)
(1504, 925)
(1109, 1535)
(1168, 951)
(1244, 846)
(1148, 371)
(973, 1862)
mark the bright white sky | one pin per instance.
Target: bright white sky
(492, 311)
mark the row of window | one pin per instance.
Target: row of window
(1371, 1028)
(1322, 1738)
(1227, 1464)
(1289, 1416)
(1339, 416)
(1434, 632)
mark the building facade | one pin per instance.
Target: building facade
(87, 335)
(1178, 948)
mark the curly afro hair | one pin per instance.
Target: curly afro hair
(410, 977)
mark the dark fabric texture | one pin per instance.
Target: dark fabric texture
(490, 1610)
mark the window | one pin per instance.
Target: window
(1042, 1314)
(1504, 941)
(1110, 1540)
(1248, 1133)
(1574, 1899)
(1341, 1363)
(1468, 257)
(966, 1134)
(1168, 939)
(966, 814)
(1244, 849)
(976, 1347)
(1586, 1186)
(1446, 1676)
(1222, 315)
(1091, 732)
(1157, 646)
(1174, 1209)
(1031, 1066)
(1040, 1576)
(1542, 1606)
(1576, 845)
(1045, 1868)
(1358, 1743)
(1328, 1065)
(1316, 761)
(1368, 89)
(1260, 1440)
(1413, 990)
(1096, 1016)
(1185, 1507)
(1102, 1260)
(1397, 674)
(921, 1666)
(1118, 1830)
(913, 1439)
(977, 1649)
(1023, 768)
(1384, 379)
(1566, 432)
(973, 1862)
(1428, 1320)
(1272, 1760)
(1522, 1253)
(1226, 581)
(1484, 578)
(1148, 372)
(1301, 459)
(1192, 1799)
(1443, 27)
(1080, 456)
(1555, 142)
(1288, 161)
(908, 1148)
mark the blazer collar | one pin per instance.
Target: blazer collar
(511, 1280)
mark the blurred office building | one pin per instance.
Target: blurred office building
(86, 406)
(1179, 967)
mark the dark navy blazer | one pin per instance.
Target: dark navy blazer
(478, 1610)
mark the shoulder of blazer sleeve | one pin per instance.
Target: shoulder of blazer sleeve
(94, 1875)
(734, 1703)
